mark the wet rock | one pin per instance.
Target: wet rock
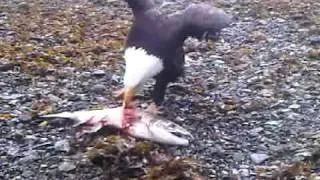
(66, 166)
(18, 135)
(11, 97)
(315, 40)
(294, 106)
(62, 145)
(98, 88)
(98, 73)
(238, 157)
(13, 151)
(258, 158)
(256, 130)
(24, 117)
(263, 22)
(54, 98)
(27, 174)
(30, 156)
(303, 153)
(266, 93)
(244, 172)
(86, 74)
(115, 79)
(273, 123)
(23, 6)
(6, 66)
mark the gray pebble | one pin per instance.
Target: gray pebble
(66, 166)
(98, 73)
(62, 145)
(258, 158)
(98, 88)
(314, 40)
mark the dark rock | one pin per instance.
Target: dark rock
(98, 88)
(7, 66)
(314, 40)
(98, 73)
(30, 156)
(24, 117)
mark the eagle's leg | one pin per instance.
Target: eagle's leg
(158, 95)
(127, 104)
(120, 92)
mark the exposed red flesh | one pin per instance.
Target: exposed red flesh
(128, 115)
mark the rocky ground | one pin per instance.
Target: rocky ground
(252, 99)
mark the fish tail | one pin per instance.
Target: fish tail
(60, 115)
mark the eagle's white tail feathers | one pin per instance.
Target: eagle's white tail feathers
(140, 66)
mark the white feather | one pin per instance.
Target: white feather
(140, 66)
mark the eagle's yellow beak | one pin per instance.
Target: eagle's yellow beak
(128, 95)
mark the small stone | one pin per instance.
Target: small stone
(316, 136)
(303, 154)
(24, 6)
(86, 74)
(224, 173)
(294, 106)
(18, 135)
(181, 119)
(43, 165)
(238, 157)
(244, 166)
(54, 98)
(266, 92)
(98, 73)
(62, 145)
(17, 177)
(285, 110)
(263, 22)
(66, 166)
(314, 40)
(273, 123)
(218, 62)
(115, 79)
(13, 102)
(24, 117)
(11, 97)
(235, 172)
(258, 158)
(27, 174)
(13, 151)
(256, 130)
(244, 172)
(98, 88)
(30, 156)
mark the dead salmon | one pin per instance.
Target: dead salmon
(144, 125)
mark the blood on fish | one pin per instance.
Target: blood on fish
(89, 121)
(128, 115)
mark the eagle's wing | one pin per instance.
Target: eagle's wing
(200, 19)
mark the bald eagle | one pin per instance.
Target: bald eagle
(154, 45)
